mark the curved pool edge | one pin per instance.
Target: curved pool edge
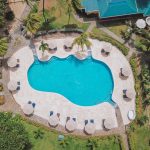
(21, 97)
(76, 102)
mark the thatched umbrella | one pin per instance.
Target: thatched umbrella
(130, 94)
(131, 114)
(12, 85)
(89, 128)
(12, 62)
(53, 120)
(108, 124)
(71, 125)
(28, 109)
(140, 23)
(148, 20)
(125, 72)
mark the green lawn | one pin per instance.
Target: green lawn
(140, 138)
(59, 12)
(117, 27)
(50, 142)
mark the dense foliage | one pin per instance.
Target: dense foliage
(2, 12)
(12, 133)
(134, 65)
(145, 77)
(3, 46)
(32, 22)
(138, 136)
(143, 45)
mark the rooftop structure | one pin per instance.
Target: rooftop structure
(116, 8)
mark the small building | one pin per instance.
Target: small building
(116, 8)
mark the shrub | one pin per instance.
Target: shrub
(145, 79)
(1, 87)
(2, 99)
(12, 133)
(142, 120)
(9, 15)
(106, 38)
(134, 63)
(131, 141)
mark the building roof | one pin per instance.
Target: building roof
(90, 5)
(114, 8)
(118, 8)
(147, 12)
(143, 7)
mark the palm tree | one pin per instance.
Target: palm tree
(3, 46)
(82, 40)
(32, 22)
(71, 4)
(43, 47)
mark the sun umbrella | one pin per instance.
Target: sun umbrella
(12, 62)
(107, 48)
(68, 43)
(52, 45)
(125, 72)
(148, 20)
(71, 125)
(131, 114)
(89, 128)
(28, 109)
(130, 94)
(108, 123)
(140, 23)
(53, 120)
(12, 85)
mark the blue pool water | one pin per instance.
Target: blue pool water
(85, 83)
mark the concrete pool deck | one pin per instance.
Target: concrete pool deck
(46, 101)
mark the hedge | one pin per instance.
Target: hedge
(114, 42)
(131, 141)
(133, 63)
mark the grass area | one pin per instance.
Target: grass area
(50, 141)
(140, 138)
(100, 35)
(117, 27)
(59, 12)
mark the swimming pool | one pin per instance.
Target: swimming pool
(85, 83)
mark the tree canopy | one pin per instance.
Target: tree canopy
(3, 46)
(12, 133)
